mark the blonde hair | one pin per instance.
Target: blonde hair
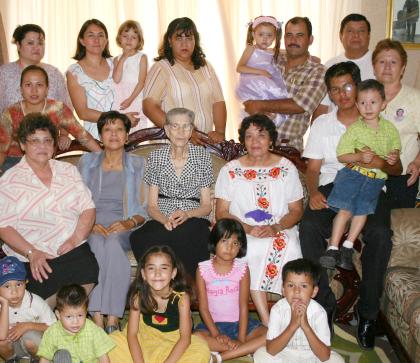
(126, 26)
(278, 32)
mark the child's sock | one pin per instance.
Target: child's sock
(332, 248)
(348, 244)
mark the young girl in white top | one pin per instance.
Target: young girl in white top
(130, 70)
(260, 77)
(223, 296)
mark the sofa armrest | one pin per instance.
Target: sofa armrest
(405, 223)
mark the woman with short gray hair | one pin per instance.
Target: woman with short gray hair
(179, 176)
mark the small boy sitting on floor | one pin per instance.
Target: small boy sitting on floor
(298, 329)
(29, 315)
(74, 338)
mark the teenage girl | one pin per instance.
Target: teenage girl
(159, 322)
(223, 295)
(260, 77)
(130, 69)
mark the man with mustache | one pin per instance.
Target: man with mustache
(304, 81)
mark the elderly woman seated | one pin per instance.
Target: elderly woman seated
(115, 179)
(179, 176)
(34, 88)
(46, 214)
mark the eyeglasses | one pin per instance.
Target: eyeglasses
(346, 88)
(184, 127)
(39, 142)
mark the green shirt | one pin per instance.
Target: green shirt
(87, 346)
(381, 141)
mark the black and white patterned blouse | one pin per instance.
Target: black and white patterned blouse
(181, 192)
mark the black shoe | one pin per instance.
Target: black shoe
(330, 259)
(346, 258)
(365, 332)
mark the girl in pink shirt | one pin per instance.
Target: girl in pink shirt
(223, 296)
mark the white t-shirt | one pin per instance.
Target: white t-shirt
(322, 143)
(33, 309)
(280, 316)
(364, 63)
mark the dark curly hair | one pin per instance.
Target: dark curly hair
(33, 122)
(81, 49)
(262, 122)
(110, 117)
(140, 296)
(181, 26)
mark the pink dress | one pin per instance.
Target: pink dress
(254, 87)
(223, 290)
(124, 89)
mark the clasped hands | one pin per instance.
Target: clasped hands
(118, 226)
(175, 219)
(299, 316)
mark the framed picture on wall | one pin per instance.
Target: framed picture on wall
(403, 22)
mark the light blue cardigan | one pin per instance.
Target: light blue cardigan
(90, 167)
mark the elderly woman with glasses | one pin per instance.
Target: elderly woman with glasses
(46, 214)
(179, 176)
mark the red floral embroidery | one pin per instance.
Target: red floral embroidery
(274, 172)
(250, 174)
(271, 270)
(232, 174)
(263, 202)
(279, 243)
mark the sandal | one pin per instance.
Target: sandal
(111, 328)
(217, 356)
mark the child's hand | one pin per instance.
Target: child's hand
(295, 319)
(233, 344)
(393, 157)
(366, 155)
(125, 104)
(16, 331)
(264, 73)
(4, 302)
(301, 308)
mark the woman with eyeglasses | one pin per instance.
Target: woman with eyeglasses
(34, 85)
(179, 176)
(46, 214)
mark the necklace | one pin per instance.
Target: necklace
(23, 108)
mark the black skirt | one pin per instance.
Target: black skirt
(189, 241)
(79, 266)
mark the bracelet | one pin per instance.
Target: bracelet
(29, 253)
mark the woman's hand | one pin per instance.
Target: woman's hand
(66, 247)
(125, 104)
(263, 231)
(196, 138)
(39, 265)
(100, 229)
(216, 137)
(412, 169)
(178, 217)
(121, 226)
(134, 118)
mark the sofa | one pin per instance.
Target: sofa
(400, 306)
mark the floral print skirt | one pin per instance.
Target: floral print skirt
(267, 256)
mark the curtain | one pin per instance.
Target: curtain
(221, 24)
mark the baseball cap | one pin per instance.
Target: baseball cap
(11, 269)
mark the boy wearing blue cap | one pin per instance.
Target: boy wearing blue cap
(29, 315)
